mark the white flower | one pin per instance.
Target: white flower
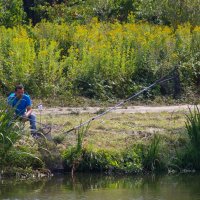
(40, 107)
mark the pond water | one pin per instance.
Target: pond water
(101, 187)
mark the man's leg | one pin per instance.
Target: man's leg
(32, 119)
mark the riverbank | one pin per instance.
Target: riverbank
(123, 141)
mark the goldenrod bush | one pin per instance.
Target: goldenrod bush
(100, 59)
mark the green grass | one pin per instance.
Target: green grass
(17, 148)
(193, 128)
(152, 155)
(128, 143)
(191, 158)
(121, 142)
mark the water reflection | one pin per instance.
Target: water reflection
(98, 186)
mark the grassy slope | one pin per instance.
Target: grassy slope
(113, 133)
(118, 131)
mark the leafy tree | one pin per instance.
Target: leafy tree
(11, 12)
(169, 12)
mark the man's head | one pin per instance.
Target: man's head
(19, 91)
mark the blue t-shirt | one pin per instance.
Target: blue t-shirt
(20, 105)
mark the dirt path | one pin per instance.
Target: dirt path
(128, 109)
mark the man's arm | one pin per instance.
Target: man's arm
(28, 111)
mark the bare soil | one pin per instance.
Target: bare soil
(128, 109)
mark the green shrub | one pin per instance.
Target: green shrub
(98, 60)
(128, 161)
(169, 12)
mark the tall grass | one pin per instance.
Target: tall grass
(9, 134)
(153, 159)
(11, 131)
(193, 131)
(74, 155)
(193, 127)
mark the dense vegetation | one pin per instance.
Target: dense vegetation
(12, 152)
(157, 152)
(98, 59)
(98, 49)
(156, 155)
(167, 12)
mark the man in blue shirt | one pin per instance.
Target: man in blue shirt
(22, 105)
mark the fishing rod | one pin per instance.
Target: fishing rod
(161, 80)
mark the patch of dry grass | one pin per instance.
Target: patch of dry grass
(119, 131)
